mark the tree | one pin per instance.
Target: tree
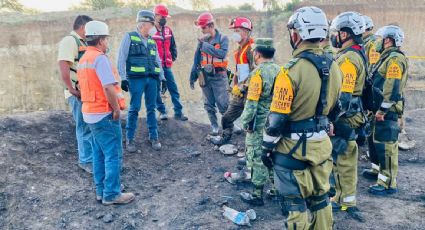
(146, 3)
(100, 4)
(12, 5)
(201, 4)
(246, 7)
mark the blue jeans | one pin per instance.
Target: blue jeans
(107, 157)
(82, 131)
(138, 86)
(174, 92)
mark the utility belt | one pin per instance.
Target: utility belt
(305, 129)
(154, 76)
(288, 161)
(210, 70)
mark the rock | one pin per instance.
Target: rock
(195, 154)
(139, 151)
(216, 148)
(228, 149)
(99, 215)
(108, 218)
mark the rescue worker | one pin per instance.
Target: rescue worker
(346, 36)
(389, 78)
(242, 28)
(71, 49)
(140, 69)
(369, 43)
(102, 104)
(257, 105)
(167, 51)
(295, 139)
(210, 68)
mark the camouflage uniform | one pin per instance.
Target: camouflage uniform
(254, 118)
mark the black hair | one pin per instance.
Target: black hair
(81, 20)
(314, 40)
(266, 53)
(94, 40)
(356, 38)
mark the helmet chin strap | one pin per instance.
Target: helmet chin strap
(293, 45)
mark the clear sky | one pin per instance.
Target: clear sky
(63, 5)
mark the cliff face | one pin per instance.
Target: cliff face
(29, 75)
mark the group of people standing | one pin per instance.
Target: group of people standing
(301, 120)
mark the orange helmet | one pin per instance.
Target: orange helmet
(204, 19)
(241, 22)
(161, 10)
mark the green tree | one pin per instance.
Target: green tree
(201, 4)
(101, 4)
(246, 7)
(146, 3)
(12, 5)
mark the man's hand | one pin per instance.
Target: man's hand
(124, 85)
(379, 116)
(266, 158)
(163, 87)
(75, 92)
(331, 132)
(116, 115)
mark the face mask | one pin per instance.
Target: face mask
(162, 21)
(379, 45)
(152, 31)
(334, 42)
(236, 37)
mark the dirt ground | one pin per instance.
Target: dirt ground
(180, 187)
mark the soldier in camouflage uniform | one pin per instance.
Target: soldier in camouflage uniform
(389, 78)
(254, 116)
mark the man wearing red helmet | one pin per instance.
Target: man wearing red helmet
(167, 50)
(244, 60)
(210, 68)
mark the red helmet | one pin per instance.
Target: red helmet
(204, 19)
(241, 22)
(161, 10)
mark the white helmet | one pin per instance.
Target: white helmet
(393, 32)
(310, 22)
(352, 20)
(368, 22)
(96, 28)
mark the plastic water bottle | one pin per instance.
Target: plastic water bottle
(239, 218)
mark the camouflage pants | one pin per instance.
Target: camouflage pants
(260, 174)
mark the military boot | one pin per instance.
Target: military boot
(223, 139)
(370, 174)
(255, 198)
(381, 190)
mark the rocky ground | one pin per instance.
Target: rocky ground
(180, 187)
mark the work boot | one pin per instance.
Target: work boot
(370, 174)
(163, 116)
(181, 117)
(242, 161)
(156, 145)
(354, 213)
(130, 146)
(87, 167)
(255, 198)
(124, 198)
(224, 139)
(214, 130)
(380, 190)
(237, 130)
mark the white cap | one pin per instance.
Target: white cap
(96, 28)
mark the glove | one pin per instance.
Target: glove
(236, 91)
(266, 158)
(163, 87)
(192, 85)
(124, 85)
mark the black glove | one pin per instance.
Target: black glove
(163, 86)
(124, 85)
(266, 158)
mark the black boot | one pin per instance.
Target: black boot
(223, 139)
(255, 198)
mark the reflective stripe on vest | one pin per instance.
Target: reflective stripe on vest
(141, 60)
(216, 62)
(92, 92)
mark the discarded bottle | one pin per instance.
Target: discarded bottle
(239, 218)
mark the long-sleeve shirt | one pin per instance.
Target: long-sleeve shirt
(208, 47)
(123, 55)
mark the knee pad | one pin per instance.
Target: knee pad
(315, 203)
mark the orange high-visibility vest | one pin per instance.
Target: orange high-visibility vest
(240, 54)
(216, 62)
(92, 92)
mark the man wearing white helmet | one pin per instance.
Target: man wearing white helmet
(369, 42)
(295, 140)
(346, 35)
(102, 103)
(389, 80)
